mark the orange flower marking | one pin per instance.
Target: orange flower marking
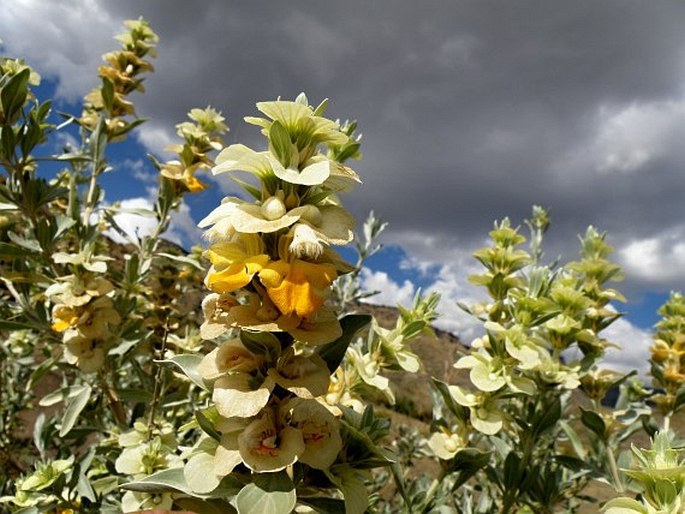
(297, 287)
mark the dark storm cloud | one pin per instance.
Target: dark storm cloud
(470, 110)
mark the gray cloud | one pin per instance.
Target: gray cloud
(470, 110)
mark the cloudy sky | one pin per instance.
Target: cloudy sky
(470, 111)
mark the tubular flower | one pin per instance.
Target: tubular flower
(297, 287)
(305, 376)
(267, 447)
(234, 264)
(241, 395)
(320, 431)
(230, 357)
(217, 312)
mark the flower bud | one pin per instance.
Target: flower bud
(273, 208)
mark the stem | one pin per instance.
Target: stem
(667, 422)
(431, 492)
(614, 470)
(114, 403)
(158, 382)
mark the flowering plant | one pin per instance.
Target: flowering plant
(139, 377)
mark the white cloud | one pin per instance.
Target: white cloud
(134, 225)
(634, 345)
(182, 230)
(449, 280)
(390, 292)
(628, 138)
(659, 259)
(155, 138)
(60, 39)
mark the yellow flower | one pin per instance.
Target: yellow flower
(174, 170)
(97, 317)
(64, 317)
(234, 264)
(86, 353)
(297, 287)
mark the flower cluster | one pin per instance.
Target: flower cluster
(145, 452)
(272, 266)
(120, 77)
(361, 377)
(83, 312)
(42, 487)
(668, 354)
(532, 319)
(659, 475)
(200, 136)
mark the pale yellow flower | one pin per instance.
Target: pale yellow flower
(305, 376)
(74, 291)
(241, 395)
(217, 313)
(446, 444)
(97, 317)
(486, 416)
(320, 431)
(230, 357)
(86, 353)
(267, 447)
(175, 170)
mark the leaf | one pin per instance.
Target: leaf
(28, 244)
(352, 486)
(270, 493)
(28, 510)
(512, 472)
(134, 395)
(280, 142)
(183, 259)
(74, 407)
(167, 480)
(13, 94)
(461, 412)
(14, 325)
(107, 92)
(261, 343)
(594, 422)
(64, 223)
(570, 462)
(59, 396)
(206, 424)
(205, 506)
(573, 436)
(468, 462)
(324, 505)
(549, 417)
(188, 364)
(333, 353)
(42, 369)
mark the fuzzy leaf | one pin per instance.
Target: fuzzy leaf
(270, 493)
(74, 407)
(333, 353)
